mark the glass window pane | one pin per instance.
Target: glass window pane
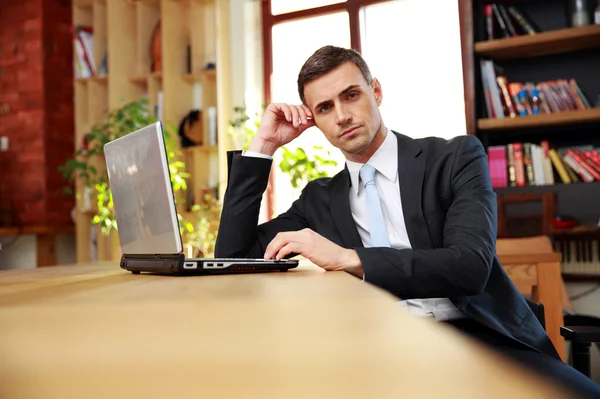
(289, 54)
(421, 73)
(285, 6)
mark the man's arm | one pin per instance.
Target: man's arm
(248, 176)
(239, 233)
(463, 266)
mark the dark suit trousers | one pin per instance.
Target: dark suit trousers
(548, 367)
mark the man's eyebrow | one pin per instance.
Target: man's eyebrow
(346, 90)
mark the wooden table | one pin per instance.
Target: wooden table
(96, 331)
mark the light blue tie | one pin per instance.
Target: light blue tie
(379, 237)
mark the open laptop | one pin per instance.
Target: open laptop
(144, 204)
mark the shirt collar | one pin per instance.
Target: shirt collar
(384, 160)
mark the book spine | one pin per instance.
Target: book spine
(578, 168)
(489, 21)
(494, 90)
(509, 25)
(500, 20)
(559, 166)
(528, 163)
(519, 166)
(548, 173)
(579, 94)
(503, 84)
(583, 161)
(512, 171)
(521, 20)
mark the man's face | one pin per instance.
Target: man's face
(346, 109)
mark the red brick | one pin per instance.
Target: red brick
(36, 79)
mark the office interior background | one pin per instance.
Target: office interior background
(206, 68)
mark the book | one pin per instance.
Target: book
(535, 164)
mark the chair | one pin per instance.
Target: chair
(538, 310)
(534, 268)
(581, 338)
(580, 330)
(526, 224)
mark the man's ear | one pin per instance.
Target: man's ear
(376, 86)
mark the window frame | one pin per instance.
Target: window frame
(352, 7)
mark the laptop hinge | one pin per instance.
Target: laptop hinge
(160, 263)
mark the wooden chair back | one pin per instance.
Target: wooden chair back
(534, 267)
(524, 224)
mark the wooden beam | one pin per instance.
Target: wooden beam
(465, 13)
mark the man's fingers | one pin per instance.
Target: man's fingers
(286, 109)
(295, 116)
(276, 243)
(303, 116)
(291, 247)
(307, 111)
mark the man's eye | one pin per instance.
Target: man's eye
(324, 108)
(353, 95)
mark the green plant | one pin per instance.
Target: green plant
(241, 128)
(302, 166)
(204, 234)
(87, 161)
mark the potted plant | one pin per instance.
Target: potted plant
(88, 166)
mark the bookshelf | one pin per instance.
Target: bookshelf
(544, 43)
(569, 118)
(194, 35)
(534, 97)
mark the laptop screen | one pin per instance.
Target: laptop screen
(145, 211)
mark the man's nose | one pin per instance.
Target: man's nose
(341, 115)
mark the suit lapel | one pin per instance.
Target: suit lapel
(340, 209)
(411, 173)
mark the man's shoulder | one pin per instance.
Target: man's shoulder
(434, 146)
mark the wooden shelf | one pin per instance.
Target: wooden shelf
(201, 148)
(559, 118)
(36, 230)
(544, 43)
(83, 3)
(143, 79)
(139, 79)
(99, 79)
(209, 74)
(123, 29)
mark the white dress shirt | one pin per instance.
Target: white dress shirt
(385, 161)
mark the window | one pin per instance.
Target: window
(285, 6)
(421, 74)
(418, 64)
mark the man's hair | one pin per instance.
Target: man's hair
(325, 60)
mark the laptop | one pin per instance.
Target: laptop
(146, 214)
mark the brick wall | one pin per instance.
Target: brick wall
(36, 81)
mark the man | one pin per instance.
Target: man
(414, 217)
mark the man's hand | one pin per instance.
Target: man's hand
(316, 248)
(280, 124)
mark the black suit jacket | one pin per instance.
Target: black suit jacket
(450, 213)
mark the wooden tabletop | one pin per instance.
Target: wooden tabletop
(96, 331)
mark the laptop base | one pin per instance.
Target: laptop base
(177, 264)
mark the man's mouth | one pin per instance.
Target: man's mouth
(350, 130)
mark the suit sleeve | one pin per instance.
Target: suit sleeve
(239, 234)
(463, 265)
